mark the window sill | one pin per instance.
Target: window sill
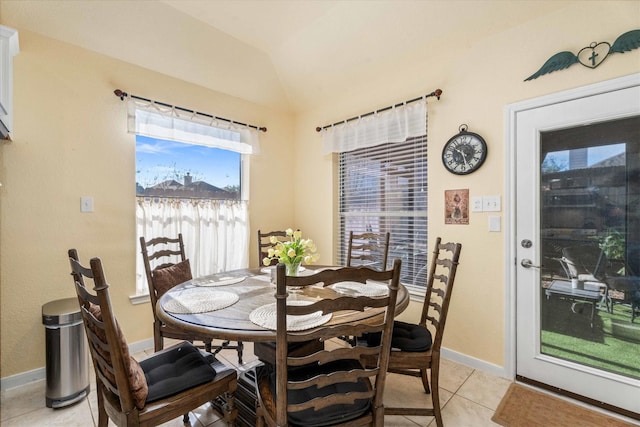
(140, 299)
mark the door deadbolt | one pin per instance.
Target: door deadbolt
(526, 243)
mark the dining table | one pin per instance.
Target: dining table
(232, 305)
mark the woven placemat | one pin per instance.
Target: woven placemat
(199, 300)
(369, 289)
(223, 281)
(265, 316)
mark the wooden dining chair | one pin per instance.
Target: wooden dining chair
(170, 268)
(368, 249)
(416, 347)
(158, 389)
(331, 386)
(266, 351)
(264, 243)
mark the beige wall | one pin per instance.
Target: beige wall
(70, 141)
(478, 80)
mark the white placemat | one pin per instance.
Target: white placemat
(369, 289)
(199, 300)
(265, 316)
(222, 281)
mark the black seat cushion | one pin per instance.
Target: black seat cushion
(410, 337)
(406, 337)
(330, 415)
(175, 369)
(266, 351)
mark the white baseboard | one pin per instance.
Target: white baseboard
(139, 346)
(479, 364)
(40, 374)
(22, 378)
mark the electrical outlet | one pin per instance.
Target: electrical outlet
(476, 204)
(86, 204)
(491, 204)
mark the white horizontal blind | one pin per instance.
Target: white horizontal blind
(384, 188)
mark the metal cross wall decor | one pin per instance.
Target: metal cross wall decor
(590, 56)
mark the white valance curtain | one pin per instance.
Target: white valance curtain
(215, 232)
(395, 124)
(155, 120)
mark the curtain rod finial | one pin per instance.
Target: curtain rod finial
(263, 129)
(318, 129)
(120, 94)
(437, 93)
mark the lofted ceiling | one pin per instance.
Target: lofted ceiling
(283, 54)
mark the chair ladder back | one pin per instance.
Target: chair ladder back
(347, 358)
(264, 243)
(439, 285)
(99, 349)
(150, 254)
(102, 334)
(368, 247)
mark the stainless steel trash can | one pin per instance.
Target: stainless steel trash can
(66, 353)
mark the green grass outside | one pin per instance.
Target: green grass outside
(612, 345)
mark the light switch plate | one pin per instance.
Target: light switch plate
(491, 204)
(494, 223)
(86, 204)
(476, 204)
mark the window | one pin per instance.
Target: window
(384, 188)
(194, 190)
(191, 170)
(175, 169)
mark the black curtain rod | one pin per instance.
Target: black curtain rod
(435, 93)
(122, 95)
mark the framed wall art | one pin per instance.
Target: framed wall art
(456, 206)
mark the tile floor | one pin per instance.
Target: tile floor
(469, 398)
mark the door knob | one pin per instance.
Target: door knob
(526, 263)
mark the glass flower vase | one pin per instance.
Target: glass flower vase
(292, 268)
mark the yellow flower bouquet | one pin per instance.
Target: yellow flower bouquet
(292, 252)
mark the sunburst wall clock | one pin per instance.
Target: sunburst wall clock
(590, 56)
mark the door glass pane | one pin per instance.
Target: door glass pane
(590, 233)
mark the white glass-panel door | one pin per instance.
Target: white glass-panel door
(577, 241)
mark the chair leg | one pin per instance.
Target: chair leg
(103, 418)
(435, 392)
(240, 349)
(230, 411)
(158, 342)
(425, 380)
(259, 420)
(185, 418)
